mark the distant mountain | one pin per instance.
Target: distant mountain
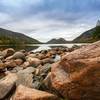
(89, 36)
(10, 37)
(98, 23)
(57, 41)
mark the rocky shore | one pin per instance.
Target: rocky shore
(55, 74)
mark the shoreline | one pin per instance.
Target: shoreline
(45, 74)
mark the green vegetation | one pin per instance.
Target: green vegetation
(14, 38)
(89, 36)
(96, 33)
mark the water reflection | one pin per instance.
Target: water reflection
(42, 47)
(27, 48)
(37, 47)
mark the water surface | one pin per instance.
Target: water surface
(38, 47)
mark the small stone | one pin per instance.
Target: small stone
(18, 61)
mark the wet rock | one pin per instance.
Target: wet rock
(24, 93)
(8, 52)
(25, 77)
(7, 85)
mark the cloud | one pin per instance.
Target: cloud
(46, 19)
(42, 28)
(4, 18)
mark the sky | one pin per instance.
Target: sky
(47, 19)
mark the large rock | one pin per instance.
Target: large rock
(34, 61)
(18, 55)
(25, 77)
(77, 75)
(7, 84)
(10, 64)
(24, 93)
(89, 51)
(8, 52)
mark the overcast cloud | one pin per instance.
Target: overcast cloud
(46, 19)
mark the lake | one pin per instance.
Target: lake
(38, 47)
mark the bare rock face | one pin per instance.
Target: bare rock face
(77, 75)
(7, 84)
(24, 93)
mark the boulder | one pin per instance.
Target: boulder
(16, 69)
(18, 55)
(25, 64)
(24, 93)
(10, 64)
(7, 85)
(34, 61)
(25, 77)
(47, 60)
(88, 51)
(18, 62)
(8, 52)
(77, 75)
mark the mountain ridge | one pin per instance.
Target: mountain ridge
(57, 41)
(10, 37)
(89, 36)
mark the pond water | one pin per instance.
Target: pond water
(38, 47)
